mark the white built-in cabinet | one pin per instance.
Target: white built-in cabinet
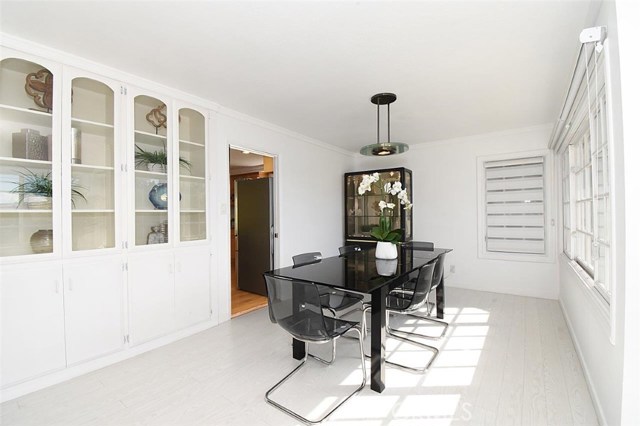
(33, 339)
(93, 307)
(110, 250)
(169, 291)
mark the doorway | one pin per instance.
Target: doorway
(251, 178)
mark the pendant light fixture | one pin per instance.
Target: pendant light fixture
(384, 148)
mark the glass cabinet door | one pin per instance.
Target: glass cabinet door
(151, 191)
(27, 177)
(92, 157)
(192, 176)
(363, 211)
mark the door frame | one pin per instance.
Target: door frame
(276, 206)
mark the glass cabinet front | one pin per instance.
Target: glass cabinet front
(151, 154)
(192, 176)
(27, 178)
(363, 210)
(92, 157)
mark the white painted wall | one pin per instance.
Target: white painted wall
(445, 209)
(601, 337)
(308, 192)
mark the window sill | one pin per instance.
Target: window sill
(515, 257)
(598, 304)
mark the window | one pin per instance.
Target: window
(512, 209)
(586, 177)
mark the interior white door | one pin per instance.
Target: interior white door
(151, 295)
(93, 307)
(32, 327)
(193, 297)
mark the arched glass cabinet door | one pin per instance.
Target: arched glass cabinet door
(28, 179)
(92, 162)
(192, 175)
(151, 154)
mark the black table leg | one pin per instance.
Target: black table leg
(440, 299)
(378, 337)
(299, 351)
(299, 348)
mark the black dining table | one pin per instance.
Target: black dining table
(360, 272)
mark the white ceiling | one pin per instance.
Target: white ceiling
(239, 160)
(458, 67)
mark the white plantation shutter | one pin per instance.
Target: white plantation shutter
(514, 206)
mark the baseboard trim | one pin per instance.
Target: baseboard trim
(590, 385)
(62, 375)
(553, 296)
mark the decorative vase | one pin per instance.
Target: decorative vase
(386, 267)
(158, 196)
(155, 236)
(42, 241)
(386, 250)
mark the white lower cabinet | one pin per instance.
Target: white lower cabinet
(192, 289)
(31, 299)
(167, 291)
(94, 317)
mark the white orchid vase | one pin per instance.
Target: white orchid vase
(393, 195)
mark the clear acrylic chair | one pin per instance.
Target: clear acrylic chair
(333, 300)
(409, 286)
(407, 303)
(296, 307)
(348, 249)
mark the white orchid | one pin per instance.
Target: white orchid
(404, 199)
(367, 180)
(384, 205)
(384, 232)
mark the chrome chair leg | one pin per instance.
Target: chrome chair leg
(423, 318)
(323, 418)
(333, 354)
(435, 351)
(391, 332)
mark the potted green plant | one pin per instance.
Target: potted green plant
(37, 190)
(156, 161)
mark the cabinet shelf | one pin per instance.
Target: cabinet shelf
(188, 177)
(149, 138)
(19, 114)
(92, 127)
(195, 144)
(93, 211)
(90, 167)
(26, 211)
(24, 161)
(151, 175)
(159, 211)
(192, 211)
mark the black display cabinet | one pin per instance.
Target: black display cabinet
(362, 212)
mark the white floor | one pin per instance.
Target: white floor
(506, 360)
